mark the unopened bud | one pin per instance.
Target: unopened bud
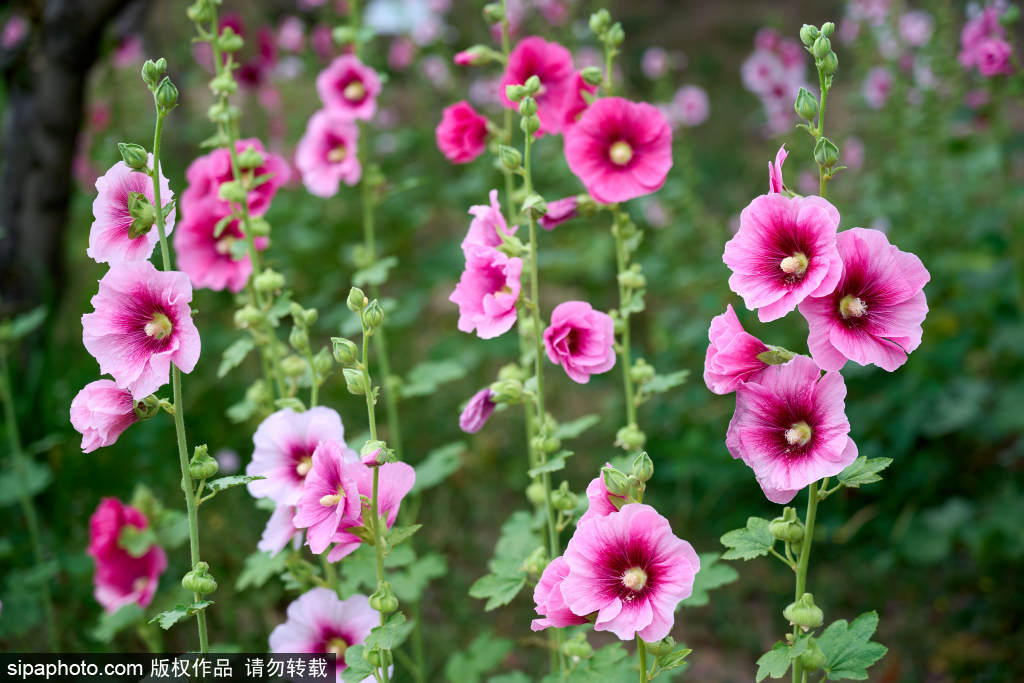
(345, 352)
(510, 157)
(383, 600)
(804, 613)
(167, 94)
(806, 105)
(293, 365)
(535, 493)
(642, 371)
(250, 158)
(788, 527)
(643, 466)
(808, 34)
(529, 124)
(821, 47)
(616, 35)
(354, 381)
(202, 466)
(199, 580)
(268, 281)
(536, 561)
(600, 21)
(299, 339)
(812, 658)
(661, 647)
(515, 92)
(135, 156)
(356, 300)
(615, 481)
(578, 647)
(563, 499)
(147, 407)
(373, 316)
(229, 41)
(827, 29)
(506, 391)
(493, 13)
(152, 71)
(592, 75)
(828, 64)
(248, 316)
(532, 85)
(826, 153)
(630, 438)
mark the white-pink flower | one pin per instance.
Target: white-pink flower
(487, 221)
(328, 153)
(100, 412)
(110, 237)
(488, 291)
(329, 500)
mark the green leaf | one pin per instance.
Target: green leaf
(554, 463)
(484, 654)
(357, 668)
(390, 634)
(258, 569)
(293, 403)
(510, 677)
(659, 384)
(171, 528)
(173, 616)
(377, 274)
(863, 471)
(674, 659)
(26, 323)
(221, 483)
(712, 574)
(746, 544)
(517, 540)
(234, 355)
(136, 541)
(610, 663)
(409, 584)
(37, 477)
(439, 464)
(498, 589)
(400, 534)
(425, 378)
(222, 224)
(571, 430)
(241, 411)
(774, 663)
(109, 625)
(848, 649)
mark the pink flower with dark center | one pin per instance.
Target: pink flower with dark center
(328, 153)
(476, 412)
(916, 27)
(766, 39)
(319, 621)
(775, 184)
(552, 64)
(790, 427)
(488, 291)
(329, 500)
(487, 222)
(761, 71)
(784, 251)
(141, 324)
(690, 106)
(600, 500)
(558, 212)
(462, 133)
(620, 149)
(549, 601)
(575, 101)
(581, 340)
(877, 87)
(283, 448)
(396, 479)
(206, 174)
(209, 260)
(631, 570)
(993, 55)
(981, 28)
(349, 87)
(732, 356)
(111, 237)
(100, 412)
(280, 531)
(122, 579)
(875, 313)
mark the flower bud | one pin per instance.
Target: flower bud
(323, 362)
(535, 493)
(827, 29)
(775, 355)
(224, 84)
(506, 391)
(808, 34)
(200, 12)
(299, 339)
(147, 407)
(527, 106)
(356, 300)
(804, 613)
(135, 156)
(268, 281)
(229, 41)
(600, 21)
(493, 12)
(373, 453)
(344, 35)
(615, 481)
(661, 647)
(632, 279)
(354, 381)
(812, 658)
(293, 365)
(563, 499)
(592, 75)
(788, 527)
(232, 191)
(643, 466)
(378, 658)
(515, 92)
(202, 466)
(199, 580)
(529, 124)
(615, 35)
(630, 438)
(826, 153)
(345, 352)
(532, 85)
(510, 157)
(828, 64)
(248, 316)
(578, 647)
(373, 316)
(642, 371)
(250, 158)
(166, 95)
(806, 105)
(822, 46)
(383, 600)
(143, 215)
(153, 71)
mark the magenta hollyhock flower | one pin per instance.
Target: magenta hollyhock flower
(487, 221)
(620, 149)
(488, 291)
(552, 64)
(877, 87)
(690, 106)
(206, 259)
(600, 499)
(790, 427)
(731, 358)
(916, 27)
(558, 212)
(993, 55)
(761, 71)
(784, 251)
(283, 448)
(141, 324)
(349, 87)
(462, 133)
(980, 29)
(395, 481)
(122, 579)
(110, 238)
(206, 174)
(875, 313)
(631, 570)
(549, 601)
(775, 184)
(319, 621)
(100, 412)
(279, 531)
(329, 499)
(476, 412)
(575, 101)
(581, 340)
(328, 153)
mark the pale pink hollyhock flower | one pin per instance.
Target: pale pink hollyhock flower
(14, 30)
(790, 427)
(581, 340)
(128, 52)
(761, 71)
(291, 34)
(575, 103)
(322, 42)
(555, 12)
(877, 87)
(122, 579)
(483, 91)
(558, 212)
(462, 133)
(976, 99)
(206, 174)
(620, 149)
(329, 500)
(477, 412)
(436, 71)
(807, 182)
(207, 259)
(328, 153)
(488, 291)
(396, 479)
(100, 412)
(549, 601)
(280, 531)
(631, 570)
(599, 499)
(690, 105)
(141, 324)
(655, 213)
(401, 53)
(848, 30)
(486, 224)
(876, 311)
(654, 62)
(916, 27)
(552, 64)
(228, 460)
(853, 153)
(349, 87)
(110, 239)
(766, 38)
(283, 448)
(993, 55)
(732, 355)
(784, 251)
(775, 184)
(319, 621)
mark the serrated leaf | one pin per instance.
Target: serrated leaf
(510, 677)
(571, 430)
(357, 668)
(258, 569)
(848, 649)
(377, 274)
(222, 483)
(746, 544)
(674, 659)
(610, 663)
(390, 634)
(439, 464)
(425, 378)
(241, 411)
(497, 589)
(400, 534)
(409, 584)
(171, 528)
(110, 624)
(863, 470)
(515, 543)
(712, 574)
(659, 384)
(234, 355)
(554, 463)
(37, 477)
(173, 616)
(774, 663)
(484, 654)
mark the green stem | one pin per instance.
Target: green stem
(622, 264)
(641, 654)
(805, 558)
(314, 387)
(822, 175)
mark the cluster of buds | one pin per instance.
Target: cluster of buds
(628, 488)
(817, 41)
(525, 95)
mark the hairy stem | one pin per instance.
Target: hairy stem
(805, 558)
(622, 265)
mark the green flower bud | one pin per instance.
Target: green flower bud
(250, 158)
(515, 92)
(135, 156)
(354, 381)
(804, 613)
(775, 355)
(377, 658)
(615, 481)
(529, 124)
(200, 12)
(551, 444)
(827, 29)
(536, 561)
(535, 493)
(616, 35)
(383, 600)
(506, 391)
(493, 12)
(630, 438)
(323, 362)
(642, 371)
(813, 658)
(632, 279)
(248, 316)
(311, 315)
(532, 85)
(229, 41)
(259, 227)
(232, 191)
(527, 106)
(828, 64)
(643, 466)
(788, 527)
(293, 365)
(822, 46)
(345, 352)
(375, 446)
(808, 34)
(373, 316)
(592, 75)
(152, 71)
(147, 407)
(578, 647)
(166, 95)
(356, 300)
(563, 499)
(511, 159)
(634, 489)
(299, 339)
(826, 153)
(268, 281)
(806, 105)
(143, 215)
(512, 371)
(259, 393)
(225, 84)
(199, 580)
(661, 647)
(202, 466)
(600, 21)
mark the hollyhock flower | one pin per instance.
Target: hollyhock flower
(328, 153)
(476, 412)
(329, 499)
(401, 53)
(110, 237)
(916, 27)
(322, 42)
(487, 221)
(581, 340)
(552, 64)
(141, 324)
(761, 71)
(487, 292)
(600, 499)
(792, 55)
(291, 34)
(122, 579)
(575, 103)
(784, 251)
(283, 448)
(775, 184)
(790, 427)
(349, 87)
(100, 412)
(993, 57)
(766, 38)
(853, 153)
(732, 355)
(654, 62)
(690, 106)
(280, 530)
(209, 261)
(462, 133)
(464, 58)
(558, 212)
(620, 149)
(14, 30)
(549, 601)
(875, 313)
(395, 480)
(319, 621)
(982, 27)
(206, 174)
(631, 570)
(877, 87)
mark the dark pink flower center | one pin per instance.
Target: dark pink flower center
(146, 320)
(630, 572)
(790, 430)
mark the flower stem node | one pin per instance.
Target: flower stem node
(578, 647)
(135, 156)
(788, 527)
(563, 499)
(202, 465)
(357, 300)
(166, 95)
(232, 191)
(812, 659)
(630, 438)
(592, 75)
(345, 352)
(199, 580)
(383, 600)
(268, 281)
(804, 613)
(643, 466)
(826, 153)
(506, 391)
(152, 71)
(534, 205)
(806, 105)
(224, 84)
(615, 481)
(808, 34)
(373, 316)
(661, 647)
(147, 407)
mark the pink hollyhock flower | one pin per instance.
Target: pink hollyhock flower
(141, 324)
(575, 102)
(283, 448)
(206, 174)
(631, 570)
(691, 106)
(396, 479)
(853, 153)
(766, 38)
(552, 64)
(476, 412)
(401, 53)
(209, 261)
(487, 221)
(654, 63)
(581, 340)
(731, 358)
(558, 212)
(100, 412)
(122, 579)
(993, 55)
(291, 34)
(349, 87)
(775, 184)
(110, 237)
(600, 499)
(549, 601)
(790, 427)
(761, 71)
(14, 30)
(877, 87)
(329, 500)
(916, 27)
(319, 621)
(620, 149)
(279, 531)
(792, 55)
(462, 133)
(328, 153)
(322, 42)
(464, 58)
(784, 251)
(980, 28)
(488, 291)
(875, 313)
